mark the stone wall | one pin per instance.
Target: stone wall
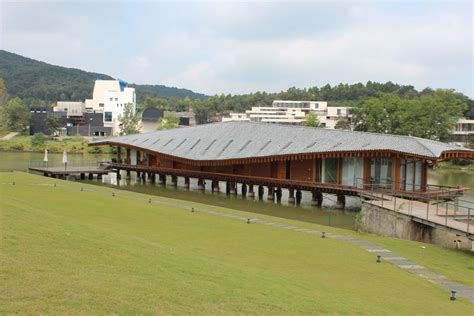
(374, 219)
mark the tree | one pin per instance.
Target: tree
(311, 120)
(130, 121)
(52, 124)
(3, 92)
(16, 115)
(169, 121)
(343, 123)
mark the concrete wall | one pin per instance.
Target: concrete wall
(374, 219)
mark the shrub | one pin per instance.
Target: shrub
(37, 140)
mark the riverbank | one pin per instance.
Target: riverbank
(27, 143)
(469, 166)
(135, 253)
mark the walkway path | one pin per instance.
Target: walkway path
(10, 135)
(385, 254)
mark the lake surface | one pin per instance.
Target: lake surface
(305, 212)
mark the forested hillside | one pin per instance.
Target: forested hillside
(30, 79)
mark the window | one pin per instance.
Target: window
(111, 99)
(101, 105)
(116, 99)
(338, 112)
(107, 116)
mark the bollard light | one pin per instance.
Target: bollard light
(378, 258)
(323, 235)
(453, 295)
(192, 209)
(149, 200)
(113, 193)
(248, 220)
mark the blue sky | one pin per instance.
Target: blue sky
(240, 47)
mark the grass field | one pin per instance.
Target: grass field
(64, 250)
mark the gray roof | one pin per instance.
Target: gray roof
(239, 140)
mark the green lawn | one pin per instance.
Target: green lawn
(66, 251)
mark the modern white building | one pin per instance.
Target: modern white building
(293, 112)
(464, 126)
(110, 98)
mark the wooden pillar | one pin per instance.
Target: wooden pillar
(396, 174)
(186, 182)
(201, 184)
(153, 178)
(341, 201)
(251, 193)
(215, 186)
(128, 156)
(424, 179)
(162, 179)
(244, 190)
(317, 198)
(118, 175)
(278, 194)
(83, 175)
(366, 174)
(271, 193)
(91, 176)
(291, 196)
(260, 192)
(128, 175)
(299, 196)
(174, 181)
(233, 188)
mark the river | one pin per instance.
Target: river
(327, 215)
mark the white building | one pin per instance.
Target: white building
(110, 97)
(292, 112)
(464, 126)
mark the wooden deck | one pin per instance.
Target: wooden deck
(63, 172)
(449, 216)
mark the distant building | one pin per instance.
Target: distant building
(463, 132)
(110, 98)
(293, 112)
(149, 119)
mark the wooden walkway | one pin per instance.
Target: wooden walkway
(449, 216)
(63, 172)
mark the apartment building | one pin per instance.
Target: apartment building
(292, 112)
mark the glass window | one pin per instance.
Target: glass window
(418, 174)
(107, 116)
(330, 170)
(381, 171)
(352, 171)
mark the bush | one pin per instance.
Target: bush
(461, 162)
(37, 140)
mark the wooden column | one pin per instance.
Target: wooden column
(128, 156)
(396, 174)
(119, 156)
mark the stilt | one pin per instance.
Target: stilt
(244, 190)
(215, 186)
(138, 175)
(315, 198)
(299, 195)
(233, 188)
(91, 176)
(260, 192)
(341, 201)
(162, 178)
(227, 188)
(278, 195)
(99, 176)
(144, 176)
(83, 176)
(251, 193)
(186, 182)
(153, 178)
(271, 193)
(201, 184)
(128, 175)
(174, 181)
(118, 175)
(291, 196)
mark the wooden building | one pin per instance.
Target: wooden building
(281, 156)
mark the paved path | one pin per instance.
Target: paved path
(385, 254)
(10, 135)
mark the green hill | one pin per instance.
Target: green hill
(31, 79)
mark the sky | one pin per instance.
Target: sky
(241, 47)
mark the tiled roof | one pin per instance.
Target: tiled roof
(237, 140)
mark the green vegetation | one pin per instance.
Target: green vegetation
(457, 164)
(430, 116)
(311, 120)
(130, 121)
(39, 83)
(15, 115)
(167, 122)
(92, 253)
(39, 143)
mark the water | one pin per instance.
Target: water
(305, 212)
